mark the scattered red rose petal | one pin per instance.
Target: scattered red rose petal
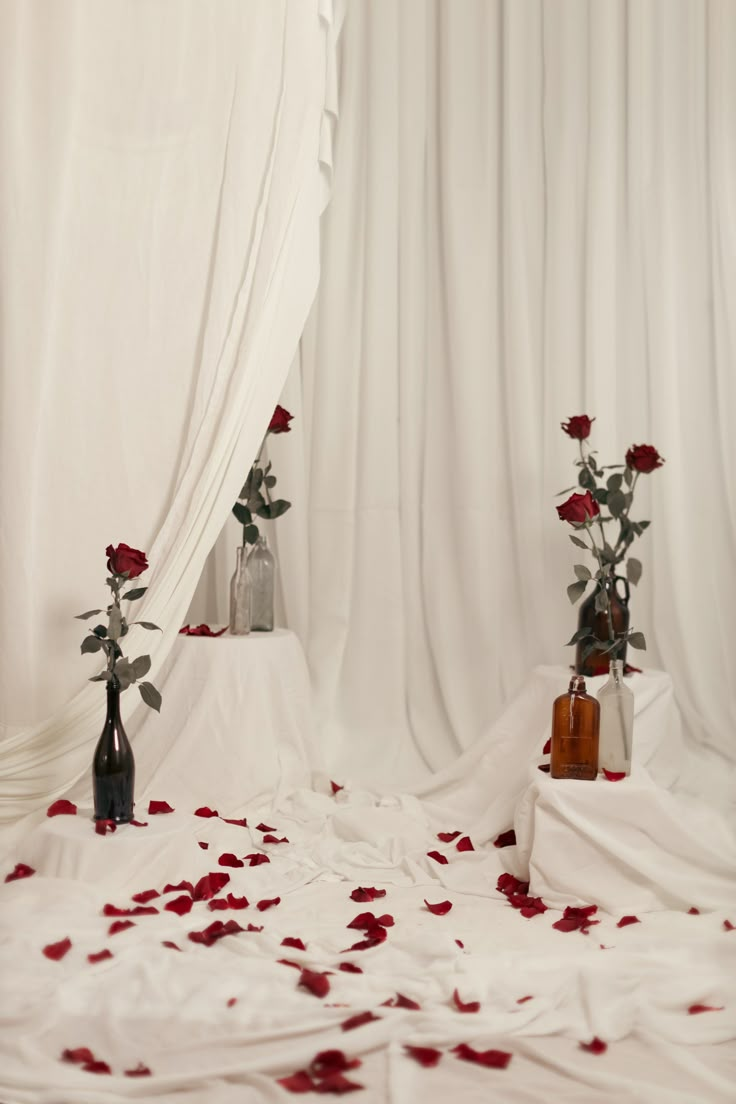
(331, 1061)
(169, 888)
(547, 747)
(56, 951)
(462, 1006)
(438, 857)
(274, 839)
(366, 893)
(595, 1046)
(139, 1071)
(464, 844)
(577, 919)
(268, 903)
(350, 968)
(170, 945)
(228, 859)
(256, 860)
(447, 837)
(209, 885)
(145, 896)
(508, 884)
(254, 928)
(120, 925)
(440, 909)
(400, 1001)
(523, 1000)
(358, 1020)
(229, 902)
(365, 920)
(96, 1067)
(614, 776)
(62, 807)
(100, 956)
(727, 925)
(215, 931)
(299, 1082)
(506, 839)
(200, 630)
(78, 1056)
(264, 828)
(529, 906)
(693, 911)
(205, 811)
(336, 1083)
(139, 910)
(492, 1059)
(139, 823)
(289, 962)
(695, 1009)
(102, 827)
(626, 920)
(460, 944)
(155, 807)
(180, 905)
(425, 1056)
(232, 1002)
(240, 822)
(293, 941)
(335, 788)
(315, 982)
(544, 767)
(21, 870)
(203, 845)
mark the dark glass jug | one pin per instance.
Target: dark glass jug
(597, 662)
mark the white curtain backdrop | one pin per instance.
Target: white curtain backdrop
(163, 175)
(533, 216)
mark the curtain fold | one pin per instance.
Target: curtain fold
(168, 164)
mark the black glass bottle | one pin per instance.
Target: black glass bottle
(113, 767)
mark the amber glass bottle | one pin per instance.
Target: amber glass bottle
(597, 661)
(575, 728)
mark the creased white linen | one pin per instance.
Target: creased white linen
(159, 214)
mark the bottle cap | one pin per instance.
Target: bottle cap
(577, 684)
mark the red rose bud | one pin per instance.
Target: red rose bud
(280, 421)
(125, 559)
(643, 458)
(578, 427)
(578, 509)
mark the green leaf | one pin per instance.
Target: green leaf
(582, 572)
(93, 613)
(242, 513)
(114, 629)
(581, 634)
(104, 677)
(586, 480)
(101, 631)
(601, 495)
(90, 644)
(575, 591)
(616, 503)
(141, 666)
(644, 525)
(147, 625)
(251, 534)
(633, 570)
(274, 509)
(628, 476)
(270, 481)
(578, 542)
(566, 491)
(124, 673)
(590, 648)
(601, 601)
(636, 640)
(134, 595)
(614, 482)
(150, 695)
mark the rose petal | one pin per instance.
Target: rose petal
(145, 896)
(293, 941)
(256, 860)
(595, 1046)
(506, 839)
(96, 1067)
(544, 767)
(331, 1061)
(228, 859)
(492, 1059)
(62, 807)
(464, 844)
(696, 1009)
(21, 870)
(139, 910)
(139, 823)
(523, 1000)
(374, 937)
(547, 747)
(336, 1083)
(693, 911)
(315, 982)
(614, 776)
(626, 920)
(335, 788)
(254, 928)
(350, 968)
(400, 1001)
(229, 902)
(564, 925)
(447, 837)
(100, 956)
(78, 1056)
(241, 822)
(232, 1002)
(462, 1006)
(205, 811)
(56, 951)
(139, 1071)
(363, 921)
(358, 1020)
(155, 807)
(727, 925)
(180, 905)
(169, 888)
(440, 909)
(209, 885)
(268, 903)
(299, 1082)
(289, 962)
(508, 884)
(120, 925)
(438, 857)
(170, 945)
(214, 931)
(102, 827)
(273, 839)
(264, 828)
(460, 944)
(366, 893)
(203, 845)
(425, 1056)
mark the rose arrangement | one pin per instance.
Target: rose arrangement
(582, 511)
(123, 564)
(255, 500)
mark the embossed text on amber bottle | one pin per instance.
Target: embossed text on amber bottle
(575, 728)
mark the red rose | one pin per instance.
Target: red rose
(578, 508)
(123, 558)
(578, 427)
(643, 458)
(280, 421)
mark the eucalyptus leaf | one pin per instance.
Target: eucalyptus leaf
(600, 494)
(124, 673)
(616, 503)
(633, 570)
(274, 509)
(582, 572)
(141, 666)
(270, 481)
(578, 542)
(581, 634)
(251, 534)
(104, 677)
(101, 631)
(636, 640)
(87, 615)
(644, 525)
(90, 644)
(575, 591)
(567, 490)
(601, 601)
(150, 695)
(586, 480)
(135, 594)
(590, 648)
(256, 502)
(614, 482)
(242, 513)
(147, 625)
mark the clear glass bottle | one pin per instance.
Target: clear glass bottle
(262, 568)
(575, 729)
(240, 595)
(617, 721)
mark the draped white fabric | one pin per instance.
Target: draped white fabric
(163, 177)
(533, 216)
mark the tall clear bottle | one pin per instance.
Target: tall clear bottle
(262, 568)
(617, 721)
(575, 728)
(240, 595)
